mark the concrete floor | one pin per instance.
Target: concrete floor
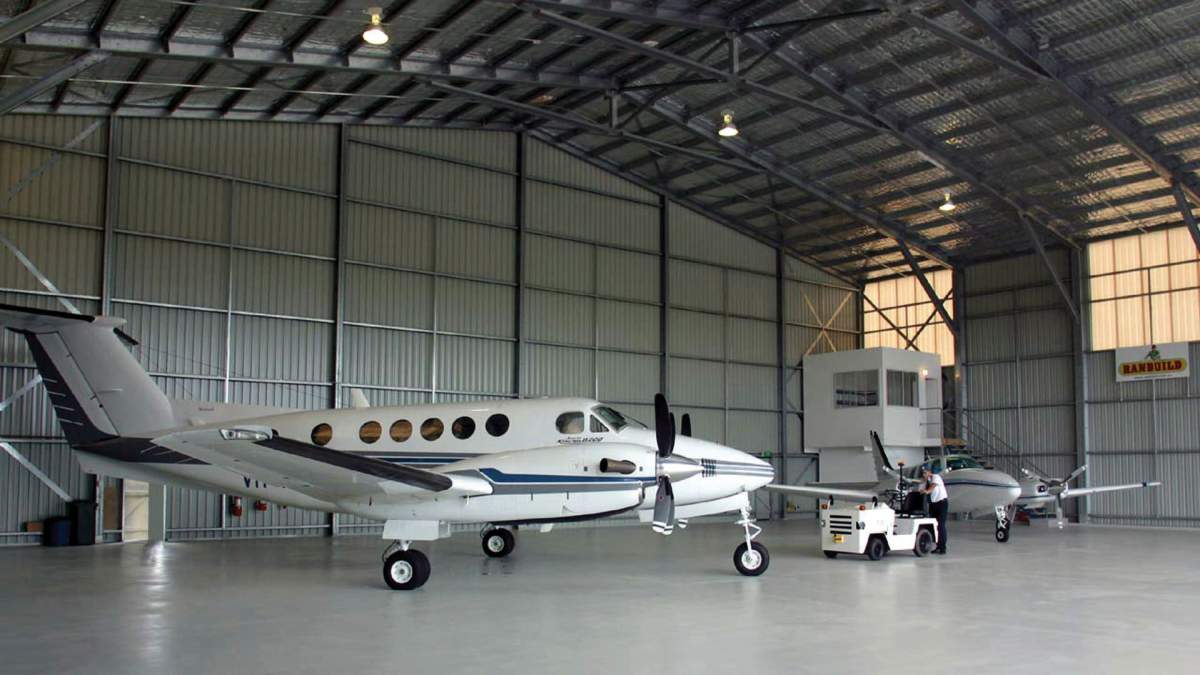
(1093, 600)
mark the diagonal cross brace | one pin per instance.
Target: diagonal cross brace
(924, 281)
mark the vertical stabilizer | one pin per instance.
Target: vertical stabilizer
(97, 388)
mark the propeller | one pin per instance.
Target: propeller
(1057, 487)
(686, 429)
(668, 467)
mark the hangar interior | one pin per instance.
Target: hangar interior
(531, 199)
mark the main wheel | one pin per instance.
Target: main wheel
(876, 548)
(406, 570)
(925, 543)
(752, 561)
(498, 542)
(831, 554)
(1002, 535)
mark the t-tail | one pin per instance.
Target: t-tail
(883, 466)
(98, 390)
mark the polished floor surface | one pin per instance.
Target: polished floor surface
(621, 600)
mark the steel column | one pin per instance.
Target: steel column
(50, 81)
(664, 293)
(1079, 344)
(781, 374)
(339, 282)
(519, 252)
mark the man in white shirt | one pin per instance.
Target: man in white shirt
(939, 503)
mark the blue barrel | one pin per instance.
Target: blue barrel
(56, 531)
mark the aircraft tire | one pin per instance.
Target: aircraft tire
(406, 570)
(1002, 535)
(498, 542)
(753, 561)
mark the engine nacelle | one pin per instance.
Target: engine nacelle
(621, 466)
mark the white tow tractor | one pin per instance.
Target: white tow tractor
(875, 530)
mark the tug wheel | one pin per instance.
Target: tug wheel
(876, 548)
(925, 543)
(751, 561)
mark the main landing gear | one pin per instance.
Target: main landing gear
(750, 557)
(1003, 522)
(404, 568)
(498, 542)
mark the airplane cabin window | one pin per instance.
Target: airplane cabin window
(597, 427)
(615, 420)
(370, 432)
(463, 427)
(432, 428)
(322, 433)
(401, 430)
(570, 423)
(497, 425)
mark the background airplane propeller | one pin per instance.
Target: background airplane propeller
(1057, 487)
(686, 429)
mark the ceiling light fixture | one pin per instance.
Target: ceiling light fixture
(374, 33)
(948, 205)
(728, 129)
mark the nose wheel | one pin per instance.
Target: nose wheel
(750, 557)
(1003, 522)
(404, 569)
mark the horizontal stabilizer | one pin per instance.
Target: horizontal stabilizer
(819, 491)
(1083, 492)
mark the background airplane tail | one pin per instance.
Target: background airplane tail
(98, 390)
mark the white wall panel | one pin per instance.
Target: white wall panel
(283, 285)
(280, 220)
(753, 387)
(697, 286)
(387, 358)
(389, 298)
(751, 295)
(699, 383)
(68, 256)
(389, 237)
(591, 217)
(173, 203)
(474, 250)
(753, 341)
(558, 371)
(627, 377)
(280, 349)
(559, 264)
(558, 318)
(626, 274)
(475, 308)
(475, 365)
(170, 272)
(623, 325)
(696, 334)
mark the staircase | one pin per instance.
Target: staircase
(985, 445)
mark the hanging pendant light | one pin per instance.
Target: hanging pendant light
(374, 34)
(728, 129)
(948, 205)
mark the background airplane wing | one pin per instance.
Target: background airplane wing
(820, 491)
(1083, 492)
(323, 473)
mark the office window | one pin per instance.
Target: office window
(856, 389)
(902, 388)
(896, 311)
(1144, 289)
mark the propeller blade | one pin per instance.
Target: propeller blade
(664, 507)
(1075, 474)
(687, 425)
(664, 426)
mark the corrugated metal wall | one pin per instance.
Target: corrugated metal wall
(1019, 363)
(280, 264)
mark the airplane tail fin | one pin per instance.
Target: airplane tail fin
(98, 390)
(883, 466)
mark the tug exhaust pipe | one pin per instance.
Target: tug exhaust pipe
(621, 466)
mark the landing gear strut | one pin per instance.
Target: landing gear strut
(403, 568)
(750, 557)
(1003, 521)
(498, 542)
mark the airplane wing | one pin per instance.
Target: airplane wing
(323, 473)
(820, 491)
(1083, 492)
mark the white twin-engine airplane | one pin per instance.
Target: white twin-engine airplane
(418, 468)
(973, 488)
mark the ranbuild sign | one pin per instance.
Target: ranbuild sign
(1152, 362)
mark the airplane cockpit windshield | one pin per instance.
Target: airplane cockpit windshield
(616, 420)
(962, 462)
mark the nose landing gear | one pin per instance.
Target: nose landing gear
(750, 557)
(1003, 522)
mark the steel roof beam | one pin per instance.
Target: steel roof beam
(280, 104)
(770, 164)
(335, 102)
(32, 18)
(1185, 209)
(193, 79)
(216, 52)
(664, 14)
(138, 71)
(243, 26)
(179, 16)
(50, 81)
(1016, 38)
(739, 80)
(246, 85)
(429, 32)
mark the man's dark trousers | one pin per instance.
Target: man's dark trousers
(939, 510)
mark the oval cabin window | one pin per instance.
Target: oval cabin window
(497, 425)
(401, 430)
(322, 434)
(463, 428)
(432, 428)
(370, 432)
